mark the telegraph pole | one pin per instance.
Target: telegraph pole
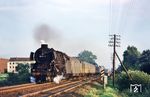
(114, 49)
(114, 43)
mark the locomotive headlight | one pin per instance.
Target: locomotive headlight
(33, 69)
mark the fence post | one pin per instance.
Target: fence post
(104, 81)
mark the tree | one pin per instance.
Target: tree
(144, 61)
(130, 57)
(119, 69)
(23, 72)
(87, 56)
(22, 68)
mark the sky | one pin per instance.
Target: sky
(77, 24)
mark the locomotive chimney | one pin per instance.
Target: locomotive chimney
(32, 56)
(44, 44)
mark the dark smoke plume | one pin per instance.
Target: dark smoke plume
(44, 32)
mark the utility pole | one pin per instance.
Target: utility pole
(125, 69)
(114, 42)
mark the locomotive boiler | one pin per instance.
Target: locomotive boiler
(49, 63)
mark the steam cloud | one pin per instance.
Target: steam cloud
(58, 78)
(45, 33)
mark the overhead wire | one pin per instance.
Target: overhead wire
(118, 17)
(110, 27)
(122, 20)
(110, 17)
(124, 17)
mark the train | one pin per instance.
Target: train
(50, 63)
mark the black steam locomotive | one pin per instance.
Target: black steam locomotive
(49, 63)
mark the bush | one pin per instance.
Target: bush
(3, 77)
(127, 93)
(14, 79)
(138, 77)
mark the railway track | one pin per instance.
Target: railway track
(57, 90)
(16, 91)
(42, 90)
(66, 89)
(45, 92)
(15, 86)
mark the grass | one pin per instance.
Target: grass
(96, 90)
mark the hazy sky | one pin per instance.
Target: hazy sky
(78, 24)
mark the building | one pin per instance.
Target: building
(13, 63)
(3, 65)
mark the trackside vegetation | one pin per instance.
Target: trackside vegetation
(96, 90)
(16, 78)
(138, 77)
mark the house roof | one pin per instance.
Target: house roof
(19, 59)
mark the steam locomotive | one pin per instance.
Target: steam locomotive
(49, 63)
